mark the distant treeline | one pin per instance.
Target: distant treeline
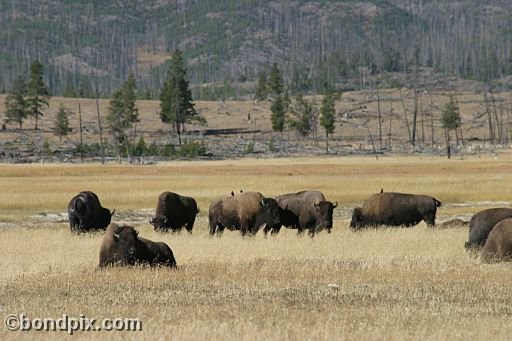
(89, 47)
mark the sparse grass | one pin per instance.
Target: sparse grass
(415, 283)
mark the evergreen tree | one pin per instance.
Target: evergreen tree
(38, 94)
(176, 104)
(16, 107)
(302, 115)
(61, 125)
(327, 113)
(275, 81)
(262, 88)
(278, 116)
(450, 120)
(123, 113)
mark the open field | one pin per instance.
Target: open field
(416, 283)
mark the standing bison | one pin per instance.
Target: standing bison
(174, 211)
(122, 245)
(498, 246)
(86, 213)
(246, 212)
(482, 223)
(395, 209)
(305, 210)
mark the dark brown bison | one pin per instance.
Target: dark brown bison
(86, 213)
(305, 210)
(498, 247)
(482, 223)
(395, 209)
(453, 223)
(174, 211)
(247, 212)
(122, 245)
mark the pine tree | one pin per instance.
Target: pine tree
(278, 116)
(16, 107)
(301, 116)
(176, 104)
(327, 112)
(61, 125)
(450, 120)
(275, 81)
(38, 93)
(123, 113)
(262, 88)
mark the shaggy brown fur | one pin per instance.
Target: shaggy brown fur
(246, 212)
(121, 245)
(395, 209)
(498, 247)
(481, 225)
(174, 211)
(86, 213)
(305, 210)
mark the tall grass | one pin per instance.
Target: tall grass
(415, 283)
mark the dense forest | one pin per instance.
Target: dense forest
(89, 46)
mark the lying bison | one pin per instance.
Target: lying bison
(395, 209)
(247, 212)
(482, 223)
(453, 223)
(174, 211)
(498, 247)
(86, 213)
(122, 245)
(305, 210)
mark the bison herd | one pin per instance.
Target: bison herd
(490, 230)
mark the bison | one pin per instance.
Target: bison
(305, 210)
(246, 212)
(395, 209)
(453, 223)
(122, 245)
(86, 213)
(174, 211)
(498, 246)
(481, 225)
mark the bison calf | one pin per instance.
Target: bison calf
(498, 247)
(122, 245)
(174, 211)
(395, 209)
(86, 213)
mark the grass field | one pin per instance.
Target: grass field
(416, 283)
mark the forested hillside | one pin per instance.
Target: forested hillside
(86, 45)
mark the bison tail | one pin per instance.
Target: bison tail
(437, 202)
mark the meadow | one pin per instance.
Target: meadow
(380, 284)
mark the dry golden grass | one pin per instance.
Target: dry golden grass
(415, 283)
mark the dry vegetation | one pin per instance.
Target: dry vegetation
(416, 283)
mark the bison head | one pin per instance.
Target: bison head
(357, 218)
(159, 222)
(126, 241)
(324, 213)
(271, 213)
(105, 217)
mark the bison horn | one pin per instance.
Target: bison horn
(151, 221)
(335, 205)
(316, 204)
(263, 202)
(116, 236)
(114, 211)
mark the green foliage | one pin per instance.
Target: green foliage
(122, 112)
(16, 107)
(278, 116)
(61, 124)
(301, 116)
(249, 148)
(192, 149)
(275, 81)
(38, 93)
(262, 87)
(176, 104)
(327, 113)
(46, 150)
(450, 117)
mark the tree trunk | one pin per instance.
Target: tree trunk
(447, 134)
